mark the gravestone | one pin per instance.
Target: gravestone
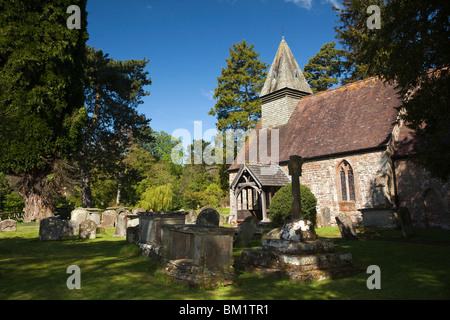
(50, 229)
(121, 226)
(70, 227)
(88, 230)
(133, 234)
(95, 217)
(8, 225)
(79, 215)
(405, 222)
(346, 227)
(108, 218)
(208, 216)
(325, 217)
(191, 217)
(246, 232)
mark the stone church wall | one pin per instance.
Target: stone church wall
(427, 198)
(372, 179)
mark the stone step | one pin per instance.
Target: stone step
(290, 262)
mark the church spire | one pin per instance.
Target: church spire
(285, 73)
(284, 87)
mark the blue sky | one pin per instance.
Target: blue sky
(187, 43)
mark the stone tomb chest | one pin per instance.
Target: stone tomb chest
(198, 254)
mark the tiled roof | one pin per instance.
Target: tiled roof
(264, 175)
(345, 119)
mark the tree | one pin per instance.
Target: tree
(237, 93)
(281, 205)
(411, 51)
(42, 65)
(323, 70)
(115, 91)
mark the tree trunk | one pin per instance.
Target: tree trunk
(36, 208)
(86, 194)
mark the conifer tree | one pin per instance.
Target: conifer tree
(238, 87)
(42, 64)
(323, 70)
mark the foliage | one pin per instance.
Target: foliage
(115, 90)
(237, 93)
(157, 198)
(281, 205)
(323, 70)
(13, 202)
(42, 65)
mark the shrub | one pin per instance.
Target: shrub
(281, 205)
(157, 198)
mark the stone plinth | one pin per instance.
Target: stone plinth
(150, 224)
(285, 251)
(198, 254)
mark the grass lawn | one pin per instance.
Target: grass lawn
(113, 269)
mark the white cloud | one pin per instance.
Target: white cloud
(208, 94)
(335, 3)
(307, 4)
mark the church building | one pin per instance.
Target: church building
(356, 153)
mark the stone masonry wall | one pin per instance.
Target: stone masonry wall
(369, 169)
(427, 198)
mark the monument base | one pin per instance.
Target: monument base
(299, 259)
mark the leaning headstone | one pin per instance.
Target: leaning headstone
(346, 228)
(121, 226)
(79, 215)
(50, 229)
(191, 217)
(208, 216)
(8, 225)
(70, 227)
(405, 222)
(246, 232)
(108, 218)
(88, 230)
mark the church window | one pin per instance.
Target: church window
(347, 182)
(275, 74)
(295, 74)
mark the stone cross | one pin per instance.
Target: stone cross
(295, 170)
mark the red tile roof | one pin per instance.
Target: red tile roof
(345, 119)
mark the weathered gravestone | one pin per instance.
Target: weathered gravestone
(8, 225)
(405, 222)
(88, 230)
(191, 217)
(70, 227)
(50, 229)
(108, 218)
(246, 232)
(208, 216)
(79, 215)
(346, 228)
(121, 226)
(133, 234)
(95, 217)
(325, 217)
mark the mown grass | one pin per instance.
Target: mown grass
(113, 269)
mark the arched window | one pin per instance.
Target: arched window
(347, 182)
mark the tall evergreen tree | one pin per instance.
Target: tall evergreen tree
(237, 93)
(411, 50)
(115, 91)
(42, 65)
(324, 69)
